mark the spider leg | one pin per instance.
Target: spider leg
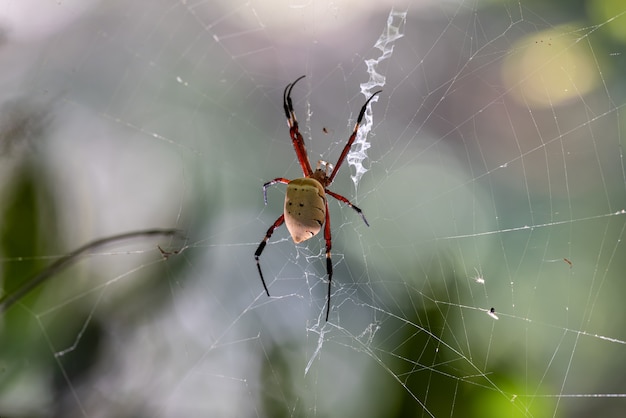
(329, 262)
(347, 202)
(294, 131)
(270, 183)
(259, 250)
(346, 149)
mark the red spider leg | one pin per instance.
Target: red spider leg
(346, 149)
(270, 183)
(329, 262)
(259, 250)
(294, 132)
(347, 202)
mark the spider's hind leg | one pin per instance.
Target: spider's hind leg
(259, 250)
(329, 261)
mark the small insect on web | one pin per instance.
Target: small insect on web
(306, 207)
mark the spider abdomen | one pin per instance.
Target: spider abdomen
(305, 208)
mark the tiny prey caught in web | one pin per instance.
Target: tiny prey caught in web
(306, 207)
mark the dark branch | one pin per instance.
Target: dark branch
(8, 300)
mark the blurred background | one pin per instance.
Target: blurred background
(489, 283)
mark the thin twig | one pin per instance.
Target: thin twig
(8, 300)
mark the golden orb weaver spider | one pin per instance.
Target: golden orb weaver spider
(306, 208)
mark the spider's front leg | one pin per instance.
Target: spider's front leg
(259, 250)
(294, 131)
(346, 149)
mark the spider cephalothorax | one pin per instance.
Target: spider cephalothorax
(306, 208)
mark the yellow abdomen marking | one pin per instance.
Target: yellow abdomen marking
(305, 208)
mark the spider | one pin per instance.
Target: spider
(306, 208)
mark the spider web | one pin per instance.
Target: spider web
(490, 169)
